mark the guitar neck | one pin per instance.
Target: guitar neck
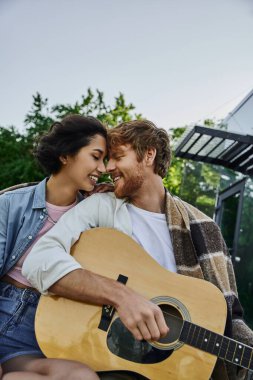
(218, 345)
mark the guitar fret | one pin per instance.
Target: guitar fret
(230, 351)
(211, 343)
(184, 332)
(192, 336)
(251, 360)
(189, 336)
(195, 337)
(238, 353)
(224, 347)
(205, 341)
(247, 356)
(216, 344)
(201, 337)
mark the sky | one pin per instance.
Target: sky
(177, 61)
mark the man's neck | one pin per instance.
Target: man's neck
(151, 197)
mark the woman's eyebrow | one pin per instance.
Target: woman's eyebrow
(98, 150)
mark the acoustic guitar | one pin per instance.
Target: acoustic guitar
(195, 311)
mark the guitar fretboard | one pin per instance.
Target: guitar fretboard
(218, 345)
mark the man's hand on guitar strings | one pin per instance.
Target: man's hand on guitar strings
(141, 317)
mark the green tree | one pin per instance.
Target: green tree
(16, 148)
(173, 178)
(193, 181)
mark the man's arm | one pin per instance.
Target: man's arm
(143, 318)
(49, 266)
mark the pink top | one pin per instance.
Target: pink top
(54, 214)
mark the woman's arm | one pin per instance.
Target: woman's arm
(50, 259)
(4, 211)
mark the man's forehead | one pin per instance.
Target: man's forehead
(120, 148)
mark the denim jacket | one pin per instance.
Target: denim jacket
(23, 213)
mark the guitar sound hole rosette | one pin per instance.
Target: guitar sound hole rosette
(174, 313)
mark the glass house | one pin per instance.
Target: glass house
(225, 153)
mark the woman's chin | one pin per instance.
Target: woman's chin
(88, 188)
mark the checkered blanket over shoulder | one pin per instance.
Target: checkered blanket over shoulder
(200, 251)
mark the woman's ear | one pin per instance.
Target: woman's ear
(63, 159)
(150, 156)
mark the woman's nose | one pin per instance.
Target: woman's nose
(101, 167)
(110, 165)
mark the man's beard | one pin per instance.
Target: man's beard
(131, 185)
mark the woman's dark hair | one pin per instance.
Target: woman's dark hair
(66, 138)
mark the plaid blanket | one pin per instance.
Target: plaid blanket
(200, 251)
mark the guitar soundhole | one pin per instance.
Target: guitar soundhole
(174, 321)
(122, 343)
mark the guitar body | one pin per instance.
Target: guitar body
(69, 329)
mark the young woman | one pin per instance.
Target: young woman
(73, 152)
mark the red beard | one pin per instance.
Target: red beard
(131, 184)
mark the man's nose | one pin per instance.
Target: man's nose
(110, 165)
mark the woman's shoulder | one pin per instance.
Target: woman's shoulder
(18, 191)
(21, 194)
(18, 188)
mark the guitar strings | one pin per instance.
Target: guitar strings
(172, 315)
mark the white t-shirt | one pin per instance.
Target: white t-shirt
(150, 230)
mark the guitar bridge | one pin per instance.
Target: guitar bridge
(108, 310)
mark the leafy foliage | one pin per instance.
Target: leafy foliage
(173, 178)
(194, 182)
(16, 149)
